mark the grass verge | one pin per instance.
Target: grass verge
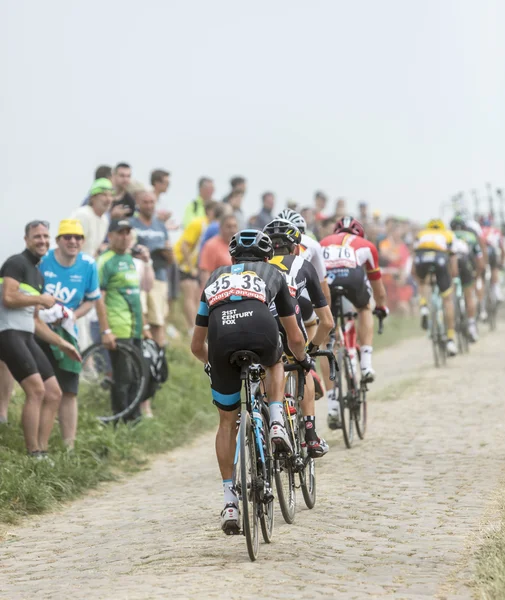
(182, 407)
(490, 557)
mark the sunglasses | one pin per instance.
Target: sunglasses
(72, 236)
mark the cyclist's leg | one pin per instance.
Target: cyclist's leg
(467, 277)
(360, 294)
(446, 268)
(316, 445)
(420, 275)
(309, 317)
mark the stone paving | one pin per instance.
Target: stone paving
(394, 516)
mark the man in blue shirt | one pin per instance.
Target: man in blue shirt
(72, 278)
(152, 233)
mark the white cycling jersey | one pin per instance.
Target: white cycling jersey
(311, 251)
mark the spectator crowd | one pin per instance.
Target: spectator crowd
(119, 267)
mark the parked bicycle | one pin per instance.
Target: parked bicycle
(286, 467)
(350, 388)
(254, 463)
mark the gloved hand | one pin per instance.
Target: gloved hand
(307, 363)
(382, 312)
(207, 369)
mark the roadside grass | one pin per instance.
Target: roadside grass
(396, 329)
(490, 556)
(182, 408)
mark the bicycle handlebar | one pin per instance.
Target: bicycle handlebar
(331, 359)
(381, 321)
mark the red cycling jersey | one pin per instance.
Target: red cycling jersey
(493, 237)
(348, 251)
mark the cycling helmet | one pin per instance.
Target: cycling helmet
(293, 217)
(436, 224)
(350, 225)
(283, 234)
(251, 244)
(458, 223)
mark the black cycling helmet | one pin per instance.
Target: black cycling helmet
(251, 244)
(458, 223)
(283, 234)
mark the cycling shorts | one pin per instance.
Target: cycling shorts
(68, 381)
(23, 356)
(301, 325)
(433, 261)
(466, 270)
(245, 325)
(492, 257)
(356, 286)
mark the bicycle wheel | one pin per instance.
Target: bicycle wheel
(491, 308)
(359, 410)
(464, 326)
(343, 394)
(99, 394)
(248, 485)
(308, 473)
(267, 508)
(435, 335)
(458, 320)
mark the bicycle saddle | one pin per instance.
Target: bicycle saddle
(338, 290)
(244, 358)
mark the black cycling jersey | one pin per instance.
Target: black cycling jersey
(300, 276)
(23, 268)
(246, 281)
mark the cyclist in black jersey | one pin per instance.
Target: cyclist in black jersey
(300, 275)
(21, 287)
(234, 315)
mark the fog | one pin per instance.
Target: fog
(399, 103)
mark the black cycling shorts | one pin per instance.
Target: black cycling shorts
(244, 325)
(23, 356)
(68, 381)
(466, 270)
(307, 310)
(432, 261)
(356, 286)
(492, 257)
(301, 325)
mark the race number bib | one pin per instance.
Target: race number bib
(339, 257)
(235, 286)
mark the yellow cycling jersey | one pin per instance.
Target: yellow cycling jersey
(434, 239)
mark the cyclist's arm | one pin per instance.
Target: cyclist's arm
(12, 297)
(296, 341)
(325, 324)
(326, 290)
(379, 292)
(198, 346)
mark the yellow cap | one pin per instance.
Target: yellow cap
(70, 226)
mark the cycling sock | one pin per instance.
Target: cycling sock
(450, 334)
(310, 428)
(422, 301)
(276, 412)
(230, 497)
(366, 357)
(332, 400)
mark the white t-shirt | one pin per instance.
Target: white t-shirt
(95, 228)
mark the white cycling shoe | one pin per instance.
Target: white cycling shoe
(451, 348)
(473, 333)
(230, 519)
(279, 437)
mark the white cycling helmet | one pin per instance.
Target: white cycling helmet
(293, 217)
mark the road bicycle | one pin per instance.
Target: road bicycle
(490, 301)
(287, 466)
(349, 385)
(254, 463)
(438, 332)
(104, 397)
(460, 317)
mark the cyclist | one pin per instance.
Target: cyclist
(22, 294)
(311, 251)
(470, 260)
(474, 226)
(496, 252)
(433, 250)
(234, 315)
(300, 275)
(353, 263)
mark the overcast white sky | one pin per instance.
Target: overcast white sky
(398, 102)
